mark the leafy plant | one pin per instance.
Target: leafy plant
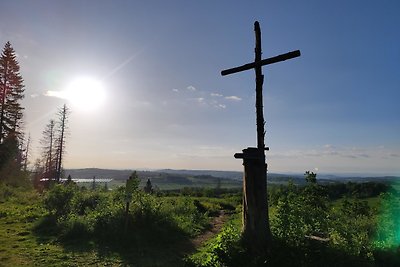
(58, 200)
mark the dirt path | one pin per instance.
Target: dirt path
(216, 225)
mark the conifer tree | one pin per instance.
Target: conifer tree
(11, 94)
(11, 112)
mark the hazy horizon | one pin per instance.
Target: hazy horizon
(338, 174)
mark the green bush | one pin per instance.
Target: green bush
(299, 214)
(85, 202)
(186, 215)
(224, 250)
(6, 192)
(102, 216)
(351, 228)
(58, 200)
(75, 228)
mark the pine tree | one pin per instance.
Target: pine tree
(11, 94)
(11, 112)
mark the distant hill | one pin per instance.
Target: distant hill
(160, 179)
(172, 179)
(221, 174)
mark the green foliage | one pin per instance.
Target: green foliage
(308, 229)
(351, 228)
(311, 177)
(186, 215)
(358, 190)
(224, 250)
(101, 215)
(82, 204)
(304, 219)
(58, 199)
(288, 221)
(6, 192)
(301, 213)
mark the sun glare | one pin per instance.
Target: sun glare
(86, 94)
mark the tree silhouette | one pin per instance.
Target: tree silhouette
(148, 187)
(53, 144)
(48, 143)
(311, 177)
(11, 94)
(63, 114)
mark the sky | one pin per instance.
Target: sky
(157, 99)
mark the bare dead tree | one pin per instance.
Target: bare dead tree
(63, 114)
(48, 143)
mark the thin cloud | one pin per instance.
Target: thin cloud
(191, 88)
(206, 99)
(221, 105)
(56, 94)
(233, 98)
(216, 95)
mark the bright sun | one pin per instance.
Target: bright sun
(85, 93)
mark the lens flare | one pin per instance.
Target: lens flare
(388, 222)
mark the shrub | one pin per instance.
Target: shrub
(85, 202)
(75, 228)
(224, 250)
(58, 200)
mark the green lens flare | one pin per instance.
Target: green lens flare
(388, 221)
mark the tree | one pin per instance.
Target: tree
(26, 153)
(63, 114)
(311, 177)
(148, 187)
(53, 144)
(48, 143)
(11, 94)
(302, 213)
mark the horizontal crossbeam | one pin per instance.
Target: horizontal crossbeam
(263, 62)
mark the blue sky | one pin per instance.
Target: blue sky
(333, 110)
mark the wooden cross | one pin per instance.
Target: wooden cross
(255, 223)
(257, 66)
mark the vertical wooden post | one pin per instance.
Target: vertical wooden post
(259, 88)
(255, 223)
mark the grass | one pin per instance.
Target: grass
(29, 236)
